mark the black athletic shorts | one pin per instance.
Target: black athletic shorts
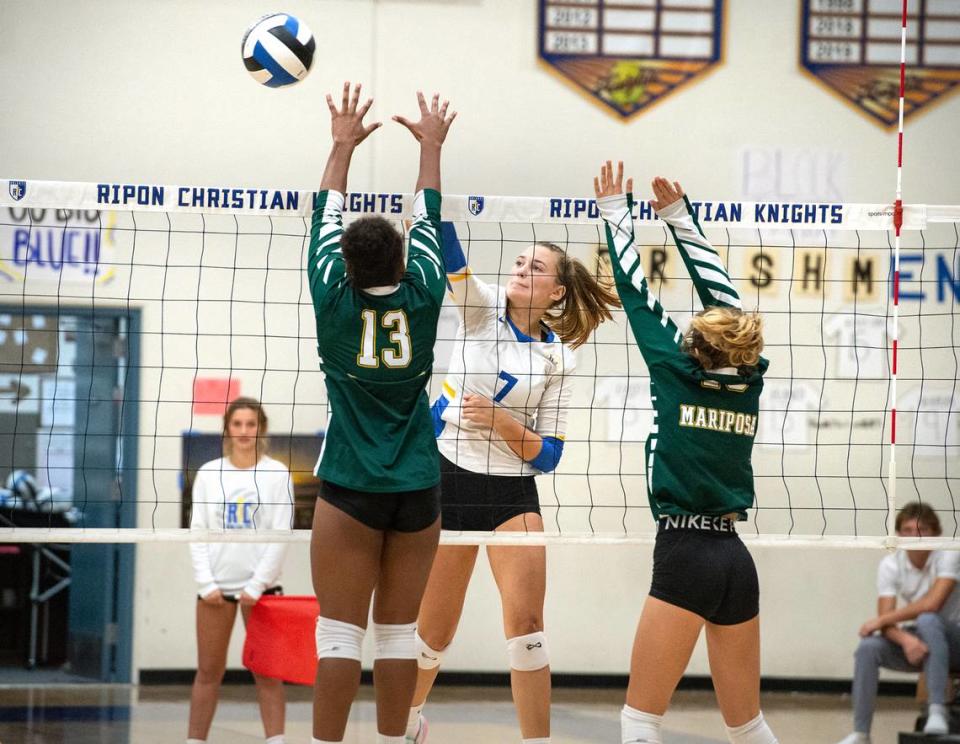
(477, 502)
(236, 597)
(401, 511)
(702, 565)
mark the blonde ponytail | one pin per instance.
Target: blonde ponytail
(586, 302)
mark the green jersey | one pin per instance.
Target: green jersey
(376, 351)
(699, 447)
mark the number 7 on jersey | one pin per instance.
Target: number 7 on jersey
(509, 381)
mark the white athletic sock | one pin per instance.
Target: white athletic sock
(637, 727)
(278, 739)
(752, 732)
(937, 722)
(413, 720)
(857, 737)
(324, 741)
(196, 741)
(384, 739)
(542, 740)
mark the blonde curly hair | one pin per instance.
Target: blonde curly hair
(725, 337)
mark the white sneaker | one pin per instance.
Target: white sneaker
(857, 737)
(936, 723)
(421, 736)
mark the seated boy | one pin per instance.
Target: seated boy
(922, 582)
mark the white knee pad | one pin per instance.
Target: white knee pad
(428, 658)
(528, 653)
(752, 732)
(395, 641)
(338, 640)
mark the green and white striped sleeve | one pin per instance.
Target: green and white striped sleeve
(657, 335)
(706, 269)
(425, 262)
(324, 259)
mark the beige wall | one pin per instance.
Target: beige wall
(129, 90)
(135, 91)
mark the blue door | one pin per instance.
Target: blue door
(101, 597)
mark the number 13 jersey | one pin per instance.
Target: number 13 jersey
(376, 351)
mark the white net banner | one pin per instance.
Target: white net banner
(512, 209)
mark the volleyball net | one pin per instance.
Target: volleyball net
(131, 314)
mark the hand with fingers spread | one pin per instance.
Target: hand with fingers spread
(430, 132)
(667, 194)
(434, 123)
(346, 123)
(610, 184)
(348, 130)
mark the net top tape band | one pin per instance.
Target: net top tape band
(456, 207)
(448, 537)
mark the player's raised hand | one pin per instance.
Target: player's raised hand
(346, 123)
(609, 183)
(434, 122)
(665, 193)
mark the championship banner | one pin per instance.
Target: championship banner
(853, 47)
(627, 55)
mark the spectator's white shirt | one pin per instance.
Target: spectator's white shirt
(898, 577)
(230, 498)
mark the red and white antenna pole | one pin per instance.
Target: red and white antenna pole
(895, 330)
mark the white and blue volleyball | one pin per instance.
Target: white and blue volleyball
(23, 485)
(278, 50)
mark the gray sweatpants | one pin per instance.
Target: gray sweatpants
(943, 640)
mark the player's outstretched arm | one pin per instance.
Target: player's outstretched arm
(348, 130)
(655, 333)
(430, 132)
(324, 261)
(476, 300)
(703, 263)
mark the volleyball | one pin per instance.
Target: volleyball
(278, 50)
(23, 485)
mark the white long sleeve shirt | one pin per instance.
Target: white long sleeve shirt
(229, 498)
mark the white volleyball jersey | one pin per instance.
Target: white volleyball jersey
(229, 498)
(529, 378)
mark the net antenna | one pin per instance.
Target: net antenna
(895, 332)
